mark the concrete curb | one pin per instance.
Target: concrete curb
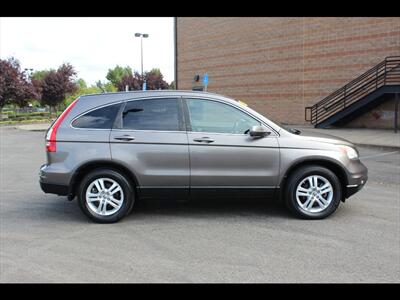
(33, 127)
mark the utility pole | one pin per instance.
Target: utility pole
(142, 35)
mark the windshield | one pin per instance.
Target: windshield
(285, 127)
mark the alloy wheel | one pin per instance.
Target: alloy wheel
(104, 196)
(314, 194)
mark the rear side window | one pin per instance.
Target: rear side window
(101, 118)
(152, 114)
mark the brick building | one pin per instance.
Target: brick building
(281, 65)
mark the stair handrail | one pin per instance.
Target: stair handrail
(374, 75)
(358, 79)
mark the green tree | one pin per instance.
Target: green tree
(115, 75)
(106, 87)
(109, 87)
(39, 75)
(81, 83)
(83, 89)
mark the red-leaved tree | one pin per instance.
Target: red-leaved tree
(132, 81)
(154, 81)
(56, 85)
(15, 88)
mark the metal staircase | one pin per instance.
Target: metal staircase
(358, 96)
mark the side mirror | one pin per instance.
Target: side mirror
(259, 131)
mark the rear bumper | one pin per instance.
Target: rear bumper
(49, 187)
(57, 189)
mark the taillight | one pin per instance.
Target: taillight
(51, 137)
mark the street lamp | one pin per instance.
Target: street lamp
(141, 35)
(29, 71)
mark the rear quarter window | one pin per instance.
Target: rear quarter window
(101, 118)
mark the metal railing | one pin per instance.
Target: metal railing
(386, 72)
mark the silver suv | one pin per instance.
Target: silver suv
(110, 149)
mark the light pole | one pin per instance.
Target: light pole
(29, 71)
(142, 35)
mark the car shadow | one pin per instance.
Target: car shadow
(68, 211)
(216, 208)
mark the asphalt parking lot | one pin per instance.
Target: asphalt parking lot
(45, 238)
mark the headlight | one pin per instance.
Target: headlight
(350, 152)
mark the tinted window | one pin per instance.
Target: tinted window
(102, 118)
(152, 114)
(212, 116)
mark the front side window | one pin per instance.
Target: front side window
(102, 118)
(152, 114)
(217, 117)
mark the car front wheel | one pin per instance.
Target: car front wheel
(313, 192)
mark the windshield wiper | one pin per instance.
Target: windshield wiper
(294, 131)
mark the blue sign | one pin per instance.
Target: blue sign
(144, 86)
(205, 79)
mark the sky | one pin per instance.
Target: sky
(91, 45)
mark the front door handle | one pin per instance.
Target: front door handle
(125, 137)
(206, 140)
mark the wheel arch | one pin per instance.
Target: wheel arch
(335, 167)
(84, 169)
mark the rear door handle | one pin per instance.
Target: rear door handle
(124, 138)
(206, 140)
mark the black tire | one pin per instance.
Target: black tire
(295, 179)
(128, 192)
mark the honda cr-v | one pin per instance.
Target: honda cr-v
(110, 149)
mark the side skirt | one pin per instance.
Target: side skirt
(210, 192)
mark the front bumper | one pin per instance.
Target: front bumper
(356, 180)
(352, 189)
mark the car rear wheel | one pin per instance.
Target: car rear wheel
(313, 192)
(105, 196)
